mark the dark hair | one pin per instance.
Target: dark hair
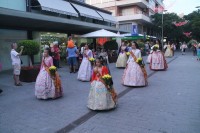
(136, 45)
(102, 60)
(70, 37)
(49, 51)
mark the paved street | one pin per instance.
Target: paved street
(170, 104)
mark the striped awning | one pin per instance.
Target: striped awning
(107, 17)
(87, 12)
(58, 6)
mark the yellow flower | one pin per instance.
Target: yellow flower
(157, 46)
(52, 68)
(107, 76)
(91, 59)
(128, 53)
(140, 59)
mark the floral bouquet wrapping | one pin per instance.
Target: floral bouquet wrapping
(108, 80)
(140, 62)
(52, 71)
(92, 60)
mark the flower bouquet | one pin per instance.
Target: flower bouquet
(128, 54)
(92, 60)
(108, 81)
(140, 62)
(52, 71)
(155, 47)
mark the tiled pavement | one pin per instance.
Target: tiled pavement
(170, 104)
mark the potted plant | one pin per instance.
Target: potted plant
(29, 73)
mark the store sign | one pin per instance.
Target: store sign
(134, 31)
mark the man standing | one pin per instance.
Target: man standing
(72, 52)
(147, 47)
(56, 54)
(16, 62)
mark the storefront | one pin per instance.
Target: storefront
(34, 19)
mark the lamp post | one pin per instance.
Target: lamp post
(163, 26)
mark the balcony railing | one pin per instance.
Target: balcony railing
(132, 13)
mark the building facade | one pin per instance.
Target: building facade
(131, 13)
(28, 19)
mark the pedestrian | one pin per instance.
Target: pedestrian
(122, 58)
(102, 95)
(194, 49)
(16, 63)
(85, 70)
(48, 84)
(135, 73)
(198, 52)
(56, 54)
(172, 48)
(158, 61)
(169, 51)
(72, 53)
(183, 48)
(0, 71)
(147, 47)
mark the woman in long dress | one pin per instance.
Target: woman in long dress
(46, 86)
(158, 61)
(101, 97)
(85, 70)
(134, 74)
(168, 52)
(122, 58)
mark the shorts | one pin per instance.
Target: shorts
(72, 61)
(16, 69)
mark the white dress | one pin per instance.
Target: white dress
(122, 58)
(168, 52)
(85, 70)
(133, 75)
(100, 98)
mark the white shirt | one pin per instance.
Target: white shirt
(137, 53)
(82, 50)
(15, 57)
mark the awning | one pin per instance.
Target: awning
(87, 12)
(58, 6)
(107, 17)
(100, 33)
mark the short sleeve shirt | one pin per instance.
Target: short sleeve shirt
(72, 52)
(14, 57)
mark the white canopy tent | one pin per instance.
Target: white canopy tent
(100, 33)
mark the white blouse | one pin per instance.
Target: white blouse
(137, 53)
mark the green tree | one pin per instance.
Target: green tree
(169, 29)
(31, 48)
(194, 24)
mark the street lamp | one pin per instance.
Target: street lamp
(163, 26)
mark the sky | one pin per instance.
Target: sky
(181, 6)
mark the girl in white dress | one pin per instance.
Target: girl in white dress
(122, 58)
(134, 74)
(101, 97)
(85, 70)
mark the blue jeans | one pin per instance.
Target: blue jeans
(72, 61)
